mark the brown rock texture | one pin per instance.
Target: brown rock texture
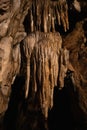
(75, 42)
(43, 48)
(12, 32)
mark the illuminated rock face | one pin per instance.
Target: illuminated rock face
(11, 33)
(5, 71)
(10, 65)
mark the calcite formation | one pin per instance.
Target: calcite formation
(44, 15)
(47, 57)
(47, 64)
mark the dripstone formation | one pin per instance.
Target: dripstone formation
(43, 45)
(47, 64)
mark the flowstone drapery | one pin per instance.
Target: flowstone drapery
(47, 64)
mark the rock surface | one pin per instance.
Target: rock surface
(75, 42)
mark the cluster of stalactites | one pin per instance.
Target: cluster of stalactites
(44, 15)
(47, 64)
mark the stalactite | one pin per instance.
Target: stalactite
(37, 13)
(53, 24)
(66, 17)
(46, 12)
(28, 47)
(31, 21)
(62, 16)
(49, 20)
(58, 15)
(63, 8)
(16, 60)
(43, 52)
